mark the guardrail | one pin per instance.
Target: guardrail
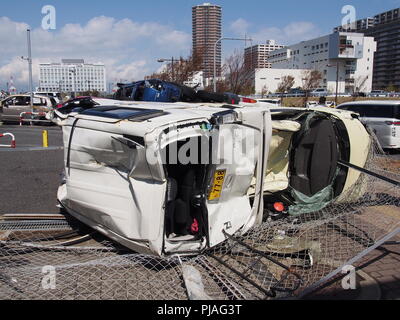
(12, 145)
(40, 114)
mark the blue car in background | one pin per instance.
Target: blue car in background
(156, 90)
(149, 90)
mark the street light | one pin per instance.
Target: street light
(215, 55)
(172, 60)
(337, 80)
(59, 85)
(29, 59)
(74, 87)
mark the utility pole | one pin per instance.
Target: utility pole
(337, 82)
(30, 67)
(215, 56)
(172, 60)
(73, 71)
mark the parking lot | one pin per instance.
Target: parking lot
(29, 173)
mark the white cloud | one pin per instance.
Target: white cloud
(239, 26)
(290, 34)
(129, 49)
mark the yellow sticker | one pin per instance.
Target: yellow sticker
(219, 177)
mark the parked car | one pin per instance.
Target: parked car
(55, 95)
(382, 117)
(13, 106)
(296, 92)
(119, 154)
(378, 93)
(320, 92)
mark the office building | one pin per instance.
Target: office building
(257, 56)
(342, 57)
(72, 75)
(385, 28)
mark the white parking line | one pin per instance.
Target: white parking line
(31, 149)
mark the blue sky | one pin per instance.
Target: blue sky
(178, 12)
(102, 30)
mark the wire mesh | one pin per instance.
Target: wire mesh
(278, 259)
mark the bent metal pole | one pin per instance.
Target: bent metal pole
(376, 175)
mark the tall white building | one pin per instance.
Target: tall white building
(347, 57)
(72, 75)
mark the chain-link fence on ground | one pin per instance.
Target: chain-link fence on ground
(59, 258)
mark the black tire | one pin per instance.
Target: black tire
(205, 96)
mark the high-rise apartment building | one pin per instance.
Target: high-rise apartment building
(72, 75)
(257, 56)
(206, 21)
(385, 28)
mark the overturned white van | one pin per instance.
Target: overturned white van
(169, 178)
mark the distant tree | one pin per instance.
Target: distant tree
(180, 70)
(391, 88)
(236, 78)
(91, 93)
(285, 85)
(311, 80)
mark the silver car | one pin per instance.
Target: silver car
(12, 107)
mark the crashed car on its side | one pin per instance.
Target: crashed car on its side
(171, 178)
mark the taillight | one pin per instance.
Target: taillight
(248, 100)
(59, 106)
(393, 123)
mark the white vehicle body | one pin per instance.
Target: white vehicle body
(55, 95)
(382, 117)
(121, 190)
(121, 180)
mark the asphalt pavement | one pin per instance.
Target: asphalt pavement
(30, 174)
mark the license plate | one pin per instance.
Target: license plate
(219, 177)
